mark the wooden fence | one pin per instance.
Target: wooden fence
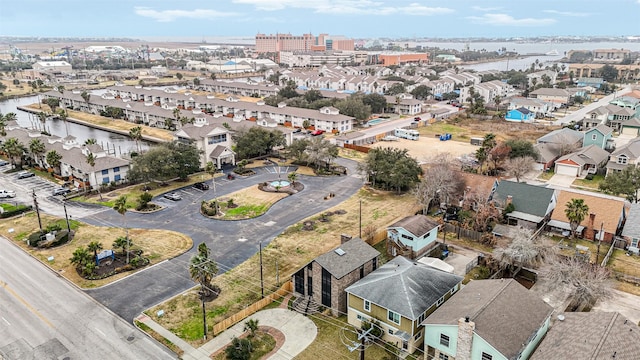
(379, 236)
(466, 233)
(223, 325)
(363, 149)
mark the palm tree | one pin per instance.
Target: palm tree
(91, 141)
(42, 116)
(251, 325)
(211, 169)
(37, 149)
(91, 160)
(63, 116)
(80, 257)
(576, 210)
(122, 242)
(85, 96)
(202, 269)
(10, 117)
(94, 246)
(136, 135)
(14, 149)
(120, 206)
(54, 159)
(3, 125)
(293, 176)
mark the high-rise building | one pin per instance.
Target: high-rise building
(306, 42)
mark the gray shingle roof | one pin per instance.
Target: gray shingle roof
(528, 199)
(562, 136)
(590, 335)
(592, 155)
(632, 224)
(505, 313)
(418, 225)
(356, 254)
(405, 287)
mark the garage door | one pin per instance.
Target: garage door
(630, 131)
(566, 170)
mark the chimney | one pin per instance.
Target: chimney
(465, 338)
(344, 238)
(590, 231)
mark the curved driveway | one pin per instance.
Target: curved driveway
(231, 242)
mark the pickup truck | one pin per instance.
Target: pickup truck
(7, 194)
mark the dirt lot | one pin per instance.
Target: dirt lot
(427, 147)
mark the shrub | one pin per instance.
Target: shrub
(589, 177)
(15, 210)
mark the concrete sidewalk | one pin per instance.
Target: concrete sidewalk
(298, 330)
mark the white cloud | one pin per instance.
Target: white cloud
(487, 9)
(172, 15)
(508, 20)
(567, 13)
(346, 7)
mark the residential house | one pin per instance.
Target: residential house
(532, 204)
(212, 139)
(487, 320)
(631, 229)
(555, 144)
(603, 222)
(592, 82)
(631, 127)
(619, 115)
(412, 236)
(520, 115)
(553, 95)
(547, 155)
(403, 104)
(539, 77)
(628, 154)
(590, 335)
(477, 188)
(400, 295)
(586, 160)
(597, 116)
(601, 136)
(538, 107)
(325, 278)
(626, 101)
(489, 91)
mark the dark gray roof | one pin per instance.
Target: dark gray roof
(405, 287)
(632, 224)
(528, 199)
(562, 136)
(505, 313)
(590, 335)
(523, 110)
(592, 155)
(418, 225)
(356, 254)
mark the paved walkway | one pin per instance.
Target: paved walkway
(299, 332)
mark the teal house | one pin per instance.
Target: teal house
(487, 320)
(412, 236)
(520, 115)
(600, 136)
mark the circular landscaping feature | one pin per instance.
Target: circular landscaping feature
(244, 204)
(283, 186)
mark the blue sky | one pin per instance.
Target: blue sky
(352, 18)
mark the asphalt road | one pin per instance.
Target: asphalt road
(43, 317)
(231, 242)
(582, 112)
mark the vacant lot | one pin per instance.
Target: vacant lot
(157, 245)
(428, 147)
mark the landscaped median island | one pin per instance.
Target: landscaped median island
(299, 244)
(151, 246)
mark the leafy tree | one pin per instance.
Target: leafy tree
(120, 206)
(312, 95)
(54, 160)
(196, 82)
(144, 200)
(576, 210)
(179, 76)
(625, 182)
(395, 89)
(256, 141)
(289, 91)
(391, 169)
(203, 269)
(321, 152)
(85, 96)
(353, 106)
(14, 149)
(166, 161)
(421, 92)
(94, 246)
(239, 349)
(297, 150)
(608, 73)
(376, 102)
(53, 103)
(521, 148)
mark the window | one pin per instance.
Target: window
(417, 336)
(116, 178)
(367, 305)
(116, 169)
(440, 301)
(216, 139)
(105, 180)
(486, 356)
(443, 357)
(622, 159)
(393, 317)
(594, 137)
(361, 272)
(407, 237)
(444, 340)
(105, 172)
(405, 344)
(390, 331)
(375, 263)
(634, 242)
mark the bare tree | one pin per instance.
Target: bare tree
(439, 181)
(587, 283)
(485, 211)
(525, 250)
(519, 166)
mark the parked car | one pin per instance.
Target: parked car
(7, 194)
(25, 174)
(201, 186)
(297, 130)
(317, 132)
(3, 162)
(60, 191)
(172, 196)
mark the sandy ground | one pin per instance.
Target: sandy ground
(426, 148)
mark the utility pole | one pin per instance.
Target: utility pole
(360, 221)
(35, 203)
(261, 275)
(204, 316)
(600, 242)
(64, 205)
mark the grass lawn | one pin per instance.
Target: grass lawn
(592, 184)
(173, 347)
(261, 344)
(546, 175)
(291, 250)
(251, 202)
(157, 245)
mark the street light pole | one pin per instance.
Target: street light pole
(261, 275)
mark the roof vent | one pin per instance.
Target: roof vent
(339, 251)
(561, 317)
